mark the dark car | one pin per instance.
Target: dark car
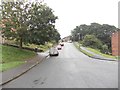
(59, 47)
(62, 44)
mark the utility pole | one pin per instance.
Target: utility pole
(79, 39)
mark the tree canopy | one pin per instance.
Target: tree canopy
(102, 32)
(28, 23)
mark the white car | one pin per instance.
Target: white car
(53, 52)
(70, 41)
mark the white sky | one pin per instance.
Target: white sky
(72, 13)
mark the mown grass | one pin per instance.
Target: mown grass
(83, 51)
(95, 51)
(13, 57)
(10, 65)
(99, 53)
(117, 57)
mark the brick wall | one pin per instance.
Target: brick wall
(115, 41)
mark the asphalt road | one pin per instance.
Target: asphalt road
(71, 69)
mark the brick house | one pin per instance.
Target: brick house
(115, 41)
(66, 38)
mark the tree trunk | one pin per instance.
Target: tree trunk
(20, 43)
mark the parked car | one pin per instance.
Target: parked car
(62, 44)
(59, 47)
(53, 51)
(70, 41)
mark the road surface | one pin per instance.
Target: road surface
(71, 69)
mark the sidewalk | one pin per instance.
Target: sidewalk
(96, 56)
(12, 74)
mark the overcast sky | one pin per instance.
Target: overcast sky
(72, 13)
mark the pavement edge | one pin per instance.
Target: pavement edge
(93, 56)
(15, 77)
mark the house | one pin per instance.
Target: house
(67, 38)
(115, 42)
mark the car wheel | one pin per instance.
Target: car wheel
(50, 55)
(57, 54)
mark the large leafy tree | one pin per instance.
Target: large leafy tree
(102, 32)
(15, 20)
(28, 23)
(41, 25)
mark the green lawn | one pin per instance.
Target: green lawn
(13, 57)
(99, 53)
(93, 50)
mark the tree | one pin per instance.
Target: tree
(105, 33)
(56, 36)
(28, 23)
(41, 23)
(14, 20)
(92, 41)
(102, 32)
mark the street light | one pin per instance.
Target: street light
(78, 39)
(78, 36)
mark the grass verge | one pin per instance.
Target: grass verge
(95, 51)
(99, 53)
(13, 57)
(83, 51)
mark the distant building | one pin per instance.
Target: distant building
(66, 38)
(115, 41)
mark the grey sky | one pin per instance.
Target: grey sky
(72, 13)
(76, 12)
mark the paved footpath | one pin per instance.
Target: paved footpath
(98, 56)
(11, 74)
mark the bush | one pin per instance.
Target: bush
(105, 49)
(92, 41)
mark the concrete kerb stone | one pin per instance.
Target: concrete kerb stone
(96, 57)
(11, 79)
(103, 59)
(99, 58)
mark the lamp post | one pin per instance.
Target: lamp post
(79, 39)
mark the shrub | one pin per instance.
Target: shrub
(92, 41)
(105, 49)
